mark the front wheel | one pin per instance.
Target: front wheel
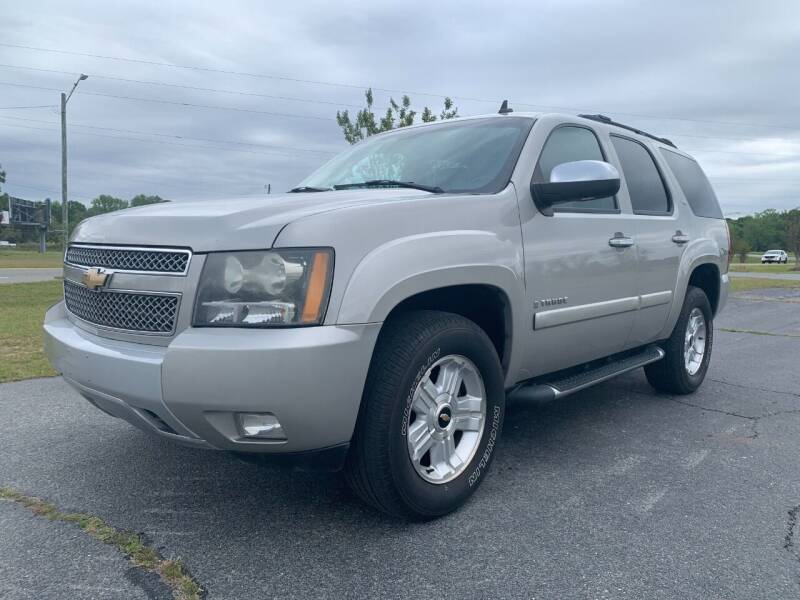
(688, 349)
(430, 418)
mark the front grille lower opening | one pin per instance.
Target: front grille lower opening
(129, 311)
(157, 421)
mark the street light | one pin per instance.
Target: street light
(64, 203)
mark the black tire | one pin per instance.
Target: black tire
(379, 468)
(670, 374)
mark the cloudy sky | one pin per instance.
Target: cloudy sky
(215, 99)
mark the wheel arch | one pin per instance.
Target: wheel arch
(703, 270)
(706, 276)
(485, 305)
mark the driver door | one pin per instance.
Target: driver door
(580, 285)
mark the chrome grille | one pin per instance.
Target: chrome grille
(143, 260)
(131, 311)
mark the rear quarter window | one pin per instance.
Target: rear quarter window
(694, 184)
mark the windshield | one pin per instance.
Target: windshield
(473, 156)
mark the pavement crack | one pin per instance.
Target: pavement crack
(143, 557)
(788, 541)
(754, 388)
(755, 332)
(716, 410)
(752, 420)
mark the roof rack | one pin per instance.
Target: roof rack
(610, 121)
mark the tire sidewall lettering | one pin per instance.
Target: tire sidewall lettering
(487, 453)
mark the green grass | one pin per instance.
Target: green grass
(139, 553)
(744, 284)
(759, 268)
(22, 308)
(16, 258)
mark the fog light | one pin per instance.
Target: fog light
(260, 425)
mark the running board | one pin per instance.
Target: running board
(546, 391)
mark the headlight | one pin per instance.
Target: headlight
(272, 288)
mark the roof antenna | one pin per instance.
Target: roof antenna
(504, 110)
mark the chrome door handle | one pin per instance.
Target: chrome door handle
(620, 241)
(680, 238)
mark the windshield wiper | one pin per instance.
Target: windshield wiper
(309, 188)
(391, 183)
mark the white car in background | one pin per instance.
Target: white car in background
(775, 256)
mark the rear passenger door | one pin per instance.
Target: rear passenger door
(661, 236)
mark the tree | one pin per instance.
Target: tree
(793, 234)
(740, 246)
(397, 115)
(142, 200)
(105, 204)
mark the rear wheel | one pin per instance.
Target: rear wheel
(430, 417)
(688, 349)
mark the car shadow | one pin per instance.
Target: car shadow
(197, 489)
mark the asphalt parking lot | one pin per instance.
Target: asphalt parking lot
(615, 492)
(28, 275)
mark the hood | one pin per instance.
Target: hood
(235, 224)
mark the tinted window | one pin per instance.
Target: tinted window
(645, 186)
(694, 185)
(567, 144)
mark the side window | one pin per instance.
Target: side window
(567, 144)
(694, 185)
(645, 186)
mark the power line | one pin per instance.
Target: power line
(214, 70)
(159, 142)
(209, 106)
(313, 101)
(41, 189)
(16, 107)
(183, 87)
(179, 137)
(173, 102)
(388, 90)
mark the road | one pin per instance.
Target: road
(28, 275)
(784, 276)
(616, 492)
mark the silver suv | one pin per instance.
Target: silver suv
(379, 316)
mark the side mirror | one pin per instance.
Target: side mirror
(579, 180)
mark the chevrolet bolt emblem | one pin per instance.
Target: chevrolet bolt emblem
(95, 278)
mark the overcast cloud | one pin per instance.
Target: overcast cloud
(719, 78)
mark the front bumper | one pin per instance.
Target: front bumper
(310, 378)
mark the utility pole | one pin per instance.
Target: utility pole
(64, 206)
(64, 201)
